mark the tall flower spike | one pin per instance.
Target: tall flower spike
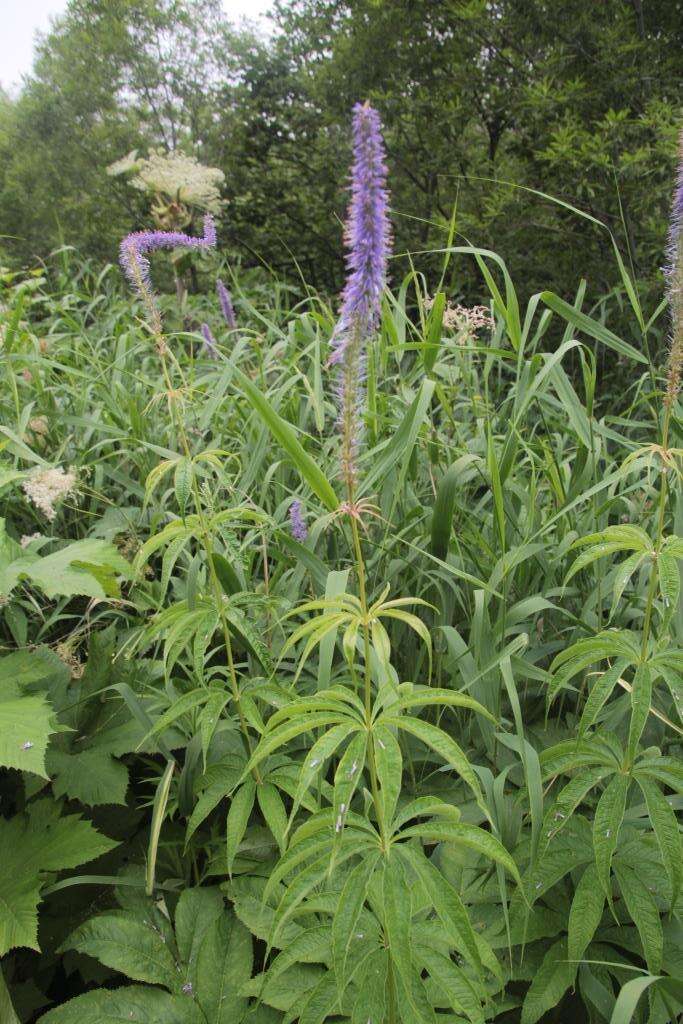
(367, 238)
(227, 308)
(674, 275)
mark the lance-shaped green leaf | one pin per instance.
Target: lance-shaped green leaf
(238, 818)
(471, 836)
(285, 435)
(665, 825)
(609, 815)
(585, 913)
(549, 983)
(440, 742)
(346, 915)
(644, 912)
(641, 696)
(447, 904)
(389, 765)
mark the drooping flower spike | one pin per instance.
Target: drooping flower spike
(135, 248)
(368, 240)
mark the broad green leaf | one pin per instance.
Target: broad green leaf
(471, 836)
(448, 906)
(316, 757)
(629, 997)
(601, 688)
(669, 583)
(134, 1004)
(397, 917)
(85, 567)
(372, 984)
(389, 765)
(197, 909)
(347, 778)
(312, 946)
(453, 982)
(125, 944)
(272, 741)
(218, 780)
(224, 963)
(26, 723)
(93, 777)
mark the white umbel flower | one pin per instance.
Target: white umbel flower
(182, 179)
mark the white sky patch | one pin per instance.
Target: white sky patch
(21, 19)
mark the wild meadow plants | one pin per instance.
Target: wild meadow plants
(343, 653)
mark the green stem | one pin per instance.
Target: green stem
(652, 589)
(206, 543)
(367, 688)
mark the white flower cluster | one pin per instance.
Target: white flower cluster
(464, 320)
(44, 487)
(28, 538)
(182, 179)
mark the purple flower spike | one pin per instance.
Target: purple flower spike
(210, 348)
(227, 307)
(296, 522)
(674, 279)
(367, 234)
(368, 241)
(135, 247)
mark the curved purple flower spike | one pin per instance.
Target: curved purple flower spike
(134, 249)
(367, 238)
(296, 522)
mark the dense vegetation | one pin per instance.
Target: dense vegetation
(341, 657)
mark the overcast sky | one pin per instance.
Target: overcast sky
(22, 18)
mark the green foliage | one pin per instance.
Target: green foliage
(422, 766)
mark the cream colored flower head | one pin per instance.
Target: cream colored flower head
(46, 487)
(182, 179)
(125, 165)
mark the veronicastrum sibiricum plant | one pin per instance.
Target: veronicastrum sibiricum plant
(456, 806)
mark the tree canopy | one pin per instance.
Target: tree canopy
(485, 104)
